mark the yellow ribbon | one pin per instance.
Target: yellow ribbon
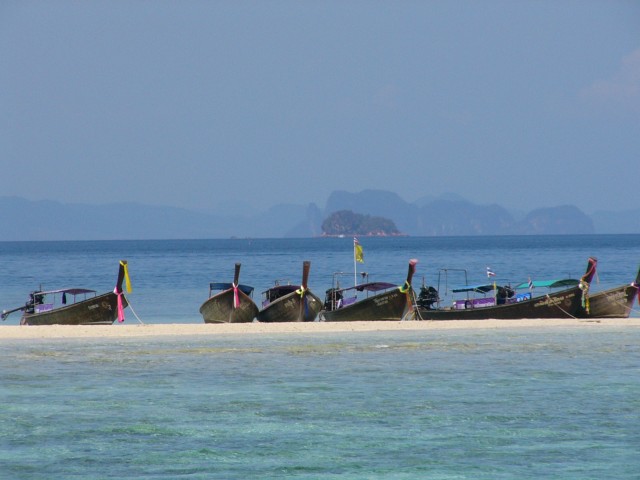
(405, 288)
(126, 275)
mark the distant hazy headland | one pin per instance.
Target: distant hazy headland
(429, 216)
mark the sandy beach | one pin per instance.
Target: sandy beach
(8, 332)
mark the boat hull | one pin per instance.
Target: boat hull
(220, 309)
(99, 310)
(291, 308)
(613, 303)
(563, 304)
(387, 306)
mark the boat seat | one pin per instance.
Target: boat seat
(345, 302)
(474, 303)
(44, 307)
(523, 296)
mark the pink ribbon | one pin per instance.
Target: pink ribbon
(236, 297)
(120, 307)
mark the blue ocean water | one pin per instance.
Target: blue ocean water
(519, 403)
(559, 403)
(171, 278)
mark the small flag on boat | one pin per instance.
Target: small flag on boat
(357, 250)
(530, 284)
(490, 273)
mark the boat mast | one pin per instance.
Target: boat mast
(355, 265)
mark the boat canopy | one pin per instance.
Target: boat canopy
(246, 289)
(482, 288)
(281, 289)
(371, 287)
(565, 282)
(70, 291)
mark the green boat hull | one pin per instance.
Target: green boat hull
(99, 310)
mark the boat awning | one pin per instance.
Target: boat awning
(70, 291)
(246, 289)
(282, 289)
(565, 282)
(482, 288)
(375, 286)
(371, 287)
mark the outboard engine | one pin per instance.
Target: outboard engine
(34, 299)
(427, 297)
(332, 297)
(504, 293)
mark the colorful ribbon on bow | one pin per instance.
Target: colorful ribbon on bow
(405, 288)
(584, 286)
(236, 296)
(120, 305)
(127, 280)
(301, 291)
(118, 292)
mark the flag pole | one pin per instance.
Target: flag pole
(355, 265)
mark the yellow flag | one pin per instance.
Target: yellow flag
(357, 250)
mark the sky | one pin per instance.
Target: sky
(208, 105)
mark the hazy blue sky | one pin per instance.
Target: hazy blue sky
(202, 103)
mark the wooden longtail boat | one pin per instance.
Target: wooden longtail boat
(52, 307)
(388, 302)
(231, 304)
(290, 303)
(564, 303)
(615, 302)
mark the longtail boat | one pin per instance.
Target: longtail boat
(564, 303)
(75, 306)
(290, 303)
(232, 302)
(615, 302)
(387, 302)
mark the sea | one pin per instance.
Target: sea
(553, 403)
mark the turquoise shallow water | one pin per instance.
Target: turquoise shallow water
(511, 403)
(498, 404)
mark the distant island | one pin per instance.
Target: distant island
(370, 212)
(346, 222)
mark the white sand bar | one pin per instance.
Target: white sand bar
(8, 332)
